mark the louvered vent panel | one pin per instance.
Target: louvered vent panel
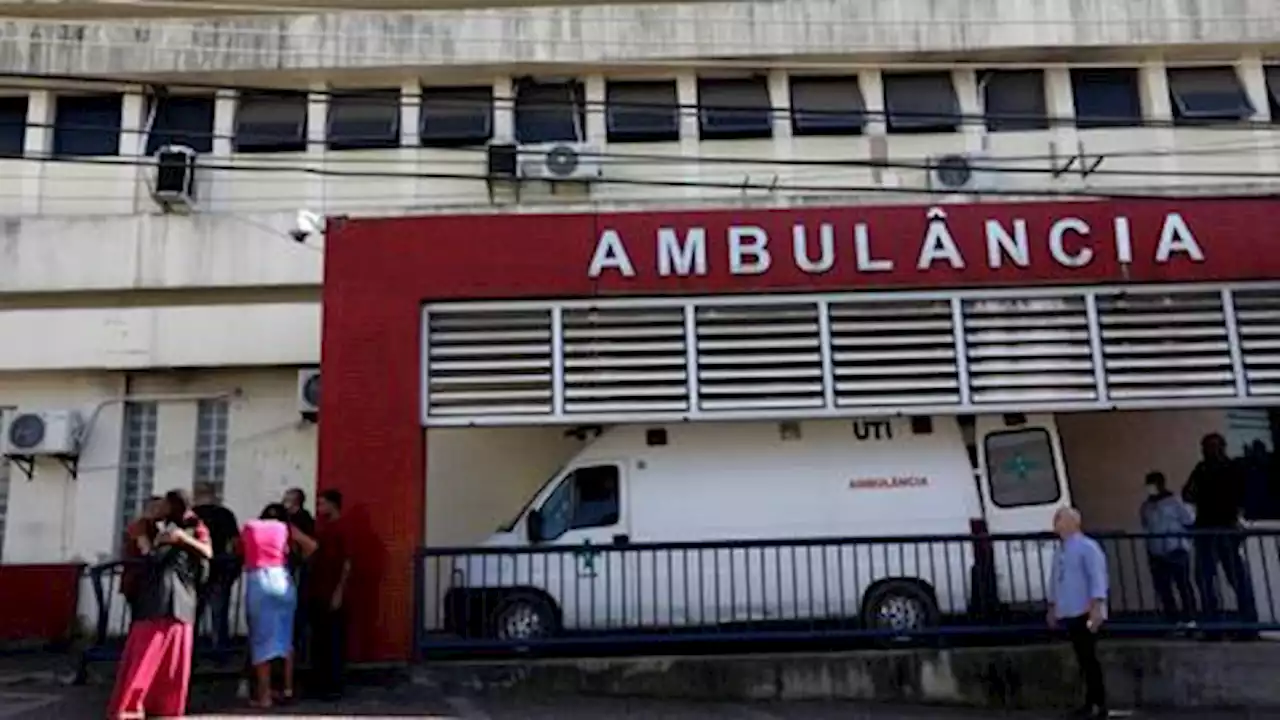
(489, 363)
(1029, 349)
(1165, 346)
(1258, 321)
(624, 360)
(893, 353)
(764, 356)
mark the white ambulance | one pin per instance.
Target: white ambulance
(702, 524)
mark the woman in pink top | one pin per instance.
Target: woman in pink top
(270, 597)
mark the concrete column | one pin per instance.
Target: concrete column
(690, 140)
(410, 137)
(133, 145)
(871, 83)
(1060, 105)
(596, 130)
(1157, 109)
(37, 144)
(1253, 75)
(780, 101)
(504, 110)
(224, 122)
(974, 126)
(317, 147)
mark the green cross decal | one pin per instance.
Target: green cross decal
(587, 555)
(1021, 466)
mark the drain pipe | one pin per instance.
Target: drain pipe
(127, 397)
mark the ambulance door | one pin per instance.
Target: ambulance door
(1023, 484)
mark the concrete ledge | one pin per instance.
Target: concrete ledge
(1139, 674)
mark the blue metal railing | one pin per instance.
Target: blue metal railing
(587, 598)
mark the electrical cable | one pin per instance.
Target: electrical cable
(143, 161)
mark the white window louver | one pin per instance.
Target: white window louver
(1166, 346)
(489, 363)
(759, 356)
(1258, 321)
(893, 353)
(624, 360)
(1029, 349)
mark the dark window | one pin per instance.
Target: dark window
(364, 120)
(86, 125)
(642, 111)
(1021, 468)
(1106, 97)
(587, 498)
(271, 122)
(1014, 100)
(550, 112)
(456, 116)
(827, 106)
(921, 103)
(729, 109)
(182, 120)
(13, 125)
(1208, 94)
(1273, 91)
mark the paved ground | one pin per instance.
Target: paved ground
(39, 695)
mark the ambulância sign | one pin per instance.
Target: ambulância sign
(813, 245)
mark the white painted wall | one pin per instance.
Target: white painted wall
(53, 518)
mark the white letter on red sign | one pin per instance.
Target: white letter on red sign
(826, 244)
(1175, 236)
(689, 258)
(1000, 242)
(862, 252)
(938, 243)
(1058, 249)
(610, 255)
(752, 241)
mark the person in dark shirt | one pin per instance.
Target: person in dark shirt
(1216, 489)
(215, 595)
(328, 570)
(138, 539)
(295, 504)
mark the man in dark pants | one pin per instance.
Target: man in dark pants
(327, 574)
(1078, 599)
(1216, 488)
(224, 569)
(295, 501)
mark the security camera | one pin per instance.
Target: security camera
(305, 225)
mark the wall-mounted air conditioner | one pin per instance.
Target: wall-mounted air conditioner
(31, 433)
(309, 393)
(174, 185)
(963, 173)
(559, 162)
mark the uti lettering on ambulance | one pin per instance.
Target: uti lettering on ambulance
(889, 483)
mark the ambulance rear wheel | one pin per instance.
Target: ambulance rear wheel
(899, 608)
(523, 617)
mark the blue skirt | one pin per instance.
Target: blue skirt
(272, 601)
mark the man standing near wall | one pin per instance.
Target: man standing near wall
(224, 569)
(1216, 488)
(327, 574)
(1078, 599)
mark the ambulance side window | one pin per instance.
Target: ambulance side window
(587, 498)
(1021, 468)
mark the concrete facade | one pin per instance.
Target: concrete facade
(103, 297)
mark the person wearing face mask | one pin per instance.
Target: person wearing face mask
(1166, 518)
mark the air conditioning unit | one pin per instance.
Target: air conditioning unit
(559, 162)
(28, 433)
(309, 393)
(175, 180)
(963, 173)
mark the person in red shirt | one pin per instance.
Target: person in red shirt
(328, 570)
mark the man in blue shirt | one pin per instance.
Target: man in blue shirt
(1078, 599)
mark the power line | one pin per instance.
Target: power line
(139, 161)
